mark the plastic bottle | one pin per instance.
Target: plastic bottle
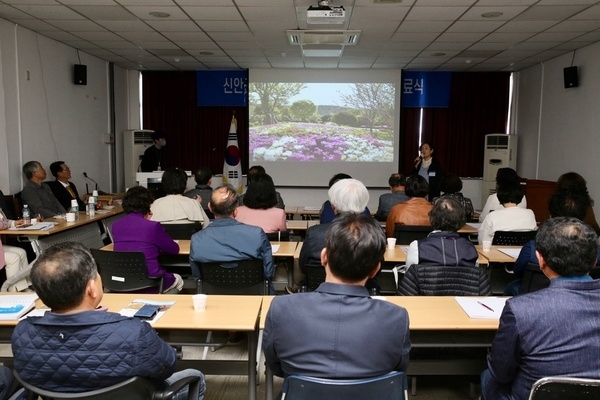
(74, 208)
(26, 215)
(91, 207)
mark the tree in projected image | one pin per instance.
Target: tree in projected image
(271, 98)
(375, 102)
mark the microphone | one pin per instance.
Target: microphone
(87, 177)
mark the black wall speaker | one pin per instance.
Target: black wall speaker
(571, 77)
(80, 74)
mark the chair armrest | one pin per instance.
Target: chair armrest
(175, 387)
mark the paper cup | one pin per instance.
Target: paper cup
(34, 221)
(199, 302)
(71, 217)
(487, 245)
(391, 243)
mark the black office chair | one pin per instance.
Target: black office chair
(405, 234)
(444, 280)
(125, 271)
(533, 279)
(281, 236)
(565, 388)
(314, 275)
(233, 277)
(386, 387)
(512, 238)
(135, 388)
(182, 231)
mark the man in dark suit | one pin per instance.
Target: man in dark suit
(553, 331)
(63, 190)
(389, 200)
(338, 331)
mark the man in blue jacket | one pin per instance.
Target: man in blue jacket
(77, 348)
(553, 331)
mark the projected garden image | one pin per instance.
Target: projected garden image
(321, 122)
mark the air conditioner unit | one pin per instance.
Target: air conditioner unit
(135, 143)
(500, 152)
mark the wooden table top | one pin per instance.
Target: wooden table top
(286, 249)
(428, 313)
(63, 225)
(495, 255)
(236, 313)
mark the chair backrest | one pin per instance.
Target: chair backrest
(124, 271)
(281, 236)
(182, 231)
(512, 238)
(565, 388)
(533, 279)
(444, 280)
(386, 387)
(233, 277)
(13, 208)
(314, 275)
(405, 234)
(135, 388)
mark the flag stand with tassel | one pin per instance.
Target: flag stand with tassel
(232, 167)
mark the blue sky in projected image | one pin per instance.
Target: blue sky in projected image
(324, 94)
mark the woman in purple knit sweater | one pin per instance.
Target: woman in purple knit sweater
(135, 232)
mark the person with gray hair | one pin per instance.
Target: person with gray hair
(346, 196)
(36, 195)
(78, 346)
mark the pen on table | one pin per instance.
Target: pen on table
(486, 306)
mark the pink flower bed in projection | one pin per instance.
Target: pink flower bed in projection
(317, 142)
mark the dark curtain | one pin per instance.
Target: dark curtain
(196, 136)
(478, 106)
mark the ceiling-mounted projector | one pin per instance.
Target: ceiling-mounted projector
(325, 14)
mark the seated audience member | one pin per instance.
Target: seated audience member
(510, 217)
(346, 196)
(174, 207)
(136, 232)
(351, 335)
(443, 246)
(553, 331)
(63, 190)
(76, 347)
(38, 196)
(327, 214)
(260, 206)
(13, 259)
(451, 186)
(504, 176)
(203, 178)
(8, 384)
(573, 182)
(414, 211)
(389, 200)
(227, 240)
(253, 172)
(561, 204)
(153, 157)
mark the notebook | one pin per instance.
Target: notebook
(15, 306)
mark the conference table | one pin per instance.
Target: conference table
(497, 255)
(435, 322)
(181, 325)
(90, 231)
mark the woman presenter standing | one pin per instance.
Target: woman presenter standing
(429, 168)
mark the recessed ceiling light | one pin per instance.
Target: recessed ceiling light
(438, 54)
(206, 53)
(159, 14)
(492, 14)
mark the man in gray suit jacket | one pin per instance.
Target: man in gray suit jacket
(338, 331)
(553, 331)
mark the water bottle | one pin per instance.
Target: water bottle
(26, 215)
(74, 208)
(91, 207)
